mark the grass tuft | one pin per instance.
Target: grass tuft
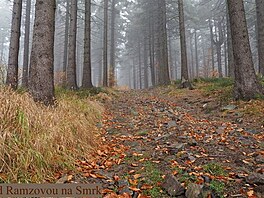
(218, 187)
(215, 169)
(38, 141)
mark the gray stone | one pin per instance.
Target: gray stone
(172, 124)
(220, 130)
(124, 187)
(63, 179)
(191, 158)
(172, 186)
(239, 120)
(178, 146)
(255, 178)
(207, 192)
(259, 190)
(206, 179)
(229, 108)
(260, 159)
(253, 131)
(193, 191)
(192, 142)
(175, 148)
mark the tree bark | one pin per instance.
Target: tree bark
(246, 83)
(196, 54)
(260, 33)
(139, 65)
(71, 69)
(231, 69)
(66, 42)
(87, 69)
(146, 85)
(26, 45)
(105, 48)
(41, 74)
(164, 59)
(212, 45)
(12, 71)
(218, 43)
(185, 83)
(151, 59)
(113, 46)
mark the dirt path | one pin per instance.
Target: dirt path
(150, 135)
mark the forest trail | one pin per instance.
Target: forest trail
(150, 134)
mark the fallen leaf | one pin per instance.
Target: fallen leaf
(146, 187)
(135, 189)
(69, 178)
(250, 193)
(133, 182)
(116, 178)
(104, 191)
(132, 171)
(136, 176)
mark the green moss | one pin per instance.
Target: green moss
(215, 169)
(218, 187)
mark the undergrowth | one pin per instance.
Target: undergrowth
(38, 141)
(222, 88)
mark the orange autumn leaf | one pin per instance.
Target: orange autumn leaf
(143, 196)
(135, 189)
(125, 195)
(133, 182)
(105, 191)
(136, 176)
(132, 171)
(146, 187)
(108, 163)
(250, 193)
(112, 195)
(116, 178)
(97, 176)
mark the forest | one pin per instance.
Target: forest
(145, 98)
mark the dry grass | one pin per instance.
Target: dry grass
(37, 141)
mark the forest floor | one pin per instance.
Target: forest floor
(160, 142)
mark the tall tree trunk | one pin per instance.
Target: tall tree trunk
(26, 45)
(260, 33)
(184, 65)
(196, 53)
(146, 85)
(231, 69)
(246, 83)
(100, 70)
(2, 47)
(212, 45)
(170, 58)
(71, 70)
(105, 53)
(191, 51)
(41, 74)
(219, 60)
(113, 46)
(12, 71)
(87, 68)
(66, 39)
(226, 59)
(139, 65)
(164, 59)
(218, 43)
(134, 74)
(151, 60)
(225, 54)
